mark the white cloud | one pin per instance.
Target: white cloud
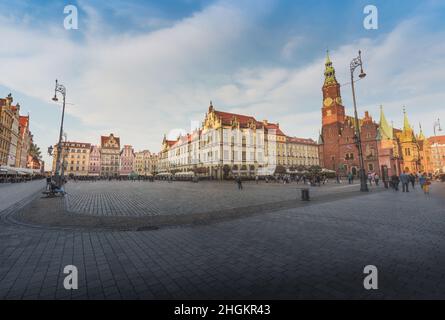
(142, 86)
(289, 49)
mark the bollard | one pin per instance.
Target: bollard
(305, 194)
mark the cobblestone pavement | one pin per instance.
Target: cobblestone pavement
(11, 193)
(314, 251)
(126, 198)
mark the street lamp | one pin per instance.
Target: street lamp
(437, 125)
(61, 89)
(357, 62)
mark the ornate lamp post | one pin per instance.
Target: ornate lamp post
(437, 125)
(357, 62)
(58, 174)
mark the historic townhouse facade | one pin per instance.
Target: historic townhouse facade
(94, 164)
(24, 141)
(230, 144)
(301, 152)
(145, 163)
(13, 159)
(163, 161)
(127, 157)
(75, 158)
(386, 150)
(6, 121)
(437, 144)
(15, 137)
(110, 156)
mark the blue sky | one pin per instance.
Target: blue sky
(144, 68)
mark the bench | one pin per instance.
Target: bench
(51, 194)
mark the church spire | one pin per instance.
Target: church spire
(406, 126)
(421, 136)
(407, 132)
(328, 59)
(329, 72)
(385, 130)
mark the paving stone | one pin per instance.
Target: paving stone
(314, 251)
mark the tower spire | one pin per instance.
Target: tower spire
(421, 136)
(407, 132)
(329, 72)
(385, 130)
(406, 125)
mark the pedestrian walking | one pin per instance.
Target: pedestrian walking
(395, 182)
(239, 182)
(376, 179)
(350, 178)
(425, 183)
(405, 179)
(412, 179)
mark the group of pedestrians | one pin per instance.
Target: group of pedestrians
(408, 179)
(373, 177)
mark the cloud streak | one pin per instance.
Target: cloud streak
(143, 85)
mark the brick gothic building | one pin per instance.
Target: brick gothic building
(340, 152)
(385, 149)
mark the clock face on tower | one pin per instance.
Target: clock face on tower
(328, 101)
(338, 99)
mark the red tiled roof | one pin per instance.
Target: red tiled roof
(23, 120)
(276, 127)
(76, 144)
(301, 140)
(23, 123)
(437, 139)
(226, 118)
(104, 139)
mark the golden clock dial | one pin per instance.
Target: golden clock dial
(328, 101)
(338, 100)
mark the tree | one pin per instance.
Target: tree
(35, 152)
(314, 171)
(280, 170)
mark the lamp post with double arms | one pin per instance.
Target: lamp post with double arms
(62, 90)
(355, 63)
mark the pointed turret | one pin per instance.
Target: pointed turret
(406, 125)
(385, 130)
(421, 136)
(407, 134)
(329, 72)
(320, 138)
